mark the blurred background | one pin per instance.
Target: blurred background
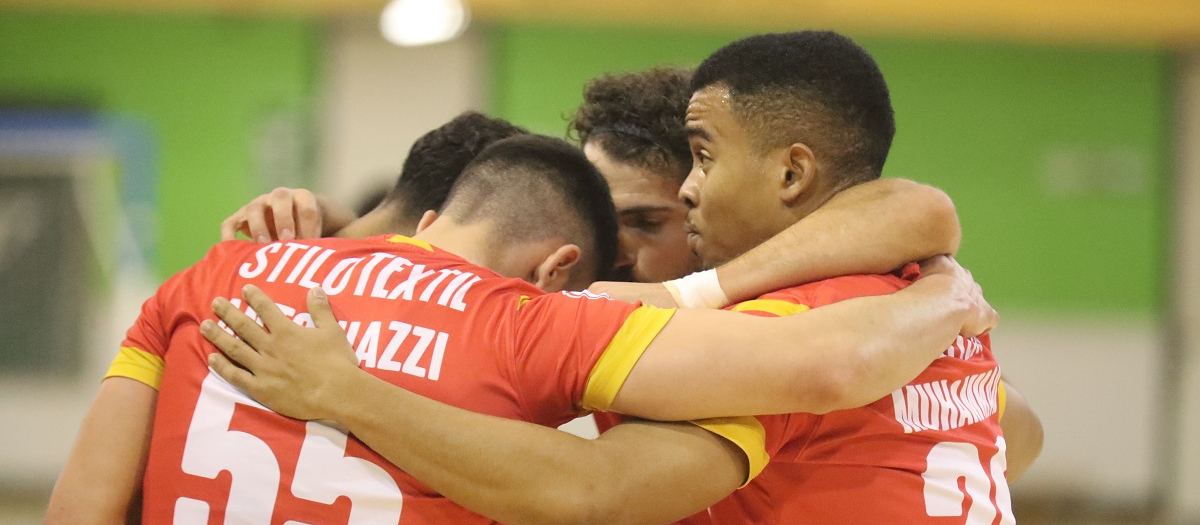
(1067, 132)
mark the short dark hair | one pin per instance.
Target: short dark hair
(814, 87)
(536, 187)
(438, 158)
(638, 119)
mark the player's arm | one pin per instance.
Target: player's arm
(102, 480)
(284, 214)
(870, 228)
(509, 471)
(1022, 432)
(709, 363)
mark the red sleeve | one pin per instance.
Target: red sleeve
(148, 332)
(146, 343)
(560, 338)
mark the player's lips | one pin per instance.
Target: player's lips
(693, 236)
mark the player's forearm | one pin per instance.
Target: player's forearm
(1022, 433)
(708, 363)
(856, 351)
(509, 471)
(870, 228)
(102, 479)
(889, 340)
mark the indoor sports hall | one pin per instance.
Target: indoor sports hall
(1067, 134)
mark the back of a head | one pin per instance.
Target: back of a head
(818, 88)
(637, 118)
(438, 158)
(534, 187)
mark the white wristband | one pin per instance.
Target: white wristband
(698, 290)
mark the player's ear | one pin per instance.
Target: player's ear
(426, 220)
(553, 273)
(799, 172)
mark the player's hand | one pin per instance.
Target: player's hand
(653, 294)
(296, 371)
(981, 317)
(281, 215)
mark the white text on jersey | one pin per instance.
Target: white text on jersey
(376, 346)
(940, 405)
(381, 275)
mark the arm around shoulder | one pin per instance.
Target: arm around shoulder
(713, 363)
(510, 471)
(873, 227)
(521, 473)
(710, 363)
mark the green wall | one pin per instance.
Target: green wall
(203, 85)
(986, 122)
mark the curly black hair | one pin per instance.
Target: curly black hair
(638, 119)
(814, 87)
(438, 158)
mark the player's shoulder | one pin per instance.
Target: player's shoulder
(218, 257)
(534, 303)
(860, 282)
(531, 294)
(819, 293)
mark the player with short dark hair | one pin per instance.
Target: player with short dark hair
(437, 158)
(758, 169)
(518, 182)
(212, 451)
(813, 87)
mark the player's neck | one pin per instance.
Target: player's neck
(469, 241)
(376, 222)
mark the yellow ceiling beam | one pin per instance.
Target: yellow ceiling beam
(1146, 22)
(1173, 23)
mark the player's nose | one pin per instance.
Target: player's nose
(689, 192)
(626, 254)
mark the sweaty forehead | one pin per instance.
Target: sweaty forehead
(709, 110)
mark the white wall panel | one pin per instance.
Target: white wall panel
(379, 98)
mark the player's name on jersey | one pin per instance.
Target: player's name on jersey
(946, 405)
(383, 345)
(381, 275)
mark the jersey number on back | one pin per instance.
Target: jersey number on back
(949, 462)
(323, 471)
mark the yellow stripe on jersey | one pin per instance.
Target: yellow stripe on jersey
(521, 302)
(138, 365)
(771, 306)
(409, 240)
(745, 432)
(1001, 400)
(626, 347)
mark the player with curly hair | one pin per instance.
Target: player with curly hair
(631, 127)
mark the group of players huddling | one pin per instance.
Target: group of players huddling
(412, 366)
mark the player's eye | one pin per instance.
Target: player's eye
(700, 159)
(648, 224)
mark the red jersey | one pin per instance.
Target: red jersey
(897, 460)
(932, 452)
(418, 317)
